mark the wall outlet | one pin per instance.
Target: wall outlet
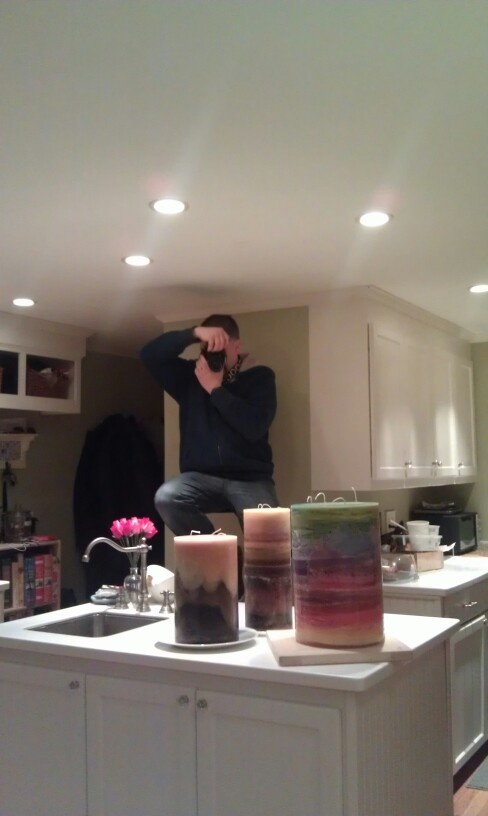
(390, 515)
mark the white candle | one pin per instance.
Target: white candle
(206, 588)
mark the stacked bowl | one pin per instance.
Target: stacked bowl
(423, 537)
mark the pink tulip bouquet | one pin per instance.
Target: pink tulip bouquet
(130, 532)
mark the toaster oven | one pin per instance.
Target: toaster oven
(460, 528)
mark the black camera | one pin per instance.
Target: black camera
(215, 359)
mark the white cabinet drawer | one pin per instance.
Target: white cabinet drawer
(467, 603)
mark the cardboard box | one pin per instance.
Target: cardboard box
(431, 560)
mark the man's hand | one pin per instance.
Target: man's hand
(208, 379)
(216, 338)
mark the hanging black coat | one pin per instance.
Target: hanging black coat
(117, 475)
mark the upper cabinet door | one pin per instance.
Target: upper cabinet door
(422, 419)
(420, 399)
(390, 415)
(463, 420)
(391, 401)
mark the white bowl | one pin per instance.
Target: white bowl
(421, 527)
(424, 543)
(158, 579)
(434, 529)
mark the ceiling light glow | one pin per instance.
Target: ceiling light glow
(23, 302)
(478, 288)
(137, 260)
(169, 206)
(374, 219)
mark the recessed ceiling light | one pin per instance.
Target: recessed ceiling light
(480, 287)
(374, 219)
(137, 260)
(24, 303)
(169, 206)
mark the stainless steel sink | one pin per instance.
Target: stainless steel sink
(96, 624)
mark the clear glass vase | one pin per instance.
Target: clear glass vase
(132, 586)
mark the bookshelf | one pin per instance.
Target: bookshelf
(33, 570)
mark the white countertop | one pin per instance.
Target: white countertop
(253, 661)
(458, 572)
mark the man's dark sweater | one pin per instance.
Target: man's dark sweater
(224, 433)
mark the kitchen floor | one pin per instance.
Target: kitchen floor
(470, 801)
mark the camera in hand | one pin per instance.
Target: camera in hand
(215, 359)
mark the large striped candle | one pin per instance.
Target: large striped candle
(206, 588)
(337, 580)
(267, 568)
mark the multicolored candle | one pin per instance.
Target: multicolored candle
(267, 568)
(206, 588)
(337, 578)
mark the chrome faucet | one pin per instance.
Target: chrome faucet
(142, 548)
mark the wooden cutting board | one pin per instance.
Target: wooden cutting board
(290, 653)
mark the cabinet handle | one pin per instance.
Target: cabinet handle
(408, 464)
(183, 700)
(75, 684)
(202, 703)
(436, 463)
(469, 604)
(460, 465)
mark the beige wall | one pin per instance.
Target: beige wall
(278, 338)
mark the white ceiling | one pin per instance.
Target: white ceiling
(278, 121)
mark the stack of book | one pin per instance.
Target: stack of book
(33, 579)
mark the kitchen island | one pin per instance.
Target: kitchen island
(132, 724)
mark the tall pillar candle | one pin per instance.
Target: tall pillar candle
(267, 568)
(206, 589)
(337, 580)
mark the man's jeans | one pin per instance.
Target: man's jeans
(183, 501)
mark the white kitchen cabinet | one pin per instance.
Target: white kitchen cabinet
(390, 415)
(468, 690)
(140, 738)
(391, 396)
(267, 758)
(463, 417)
(181, 745)
(40, 365)
(422, 423)
(43, 741)
(468, 658)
